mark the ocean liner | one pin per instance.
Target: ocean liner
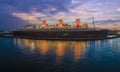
(61, 31)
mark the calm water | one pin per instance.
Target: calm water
(24, 55)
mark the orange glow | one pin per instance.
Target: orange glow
(44, 23)
(78, 23)
(85, 25)
(43, 46)
(28, 17)
(27, 42)
(61, 47)
(77, 52)
(60, 23)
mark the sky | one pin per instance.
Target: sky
(19, 13)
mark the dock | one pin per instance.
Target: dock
(6, 34)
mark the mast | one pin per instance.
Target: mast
(93, 22)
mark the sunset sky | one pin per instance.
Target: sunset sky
(18, 13)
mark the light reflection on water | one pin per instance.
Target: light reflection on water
(59, 48)
(29, 55)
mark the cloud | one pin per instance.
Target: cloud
(19, 12)
(31, 11)
(88, 11)
(100, 4)
(40, 5)
(109, 21)
(83, 12)
(27, 17)
(118, 9)
(48, 7)
(77, 5)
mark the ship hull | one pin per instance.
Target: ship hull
(60, 34)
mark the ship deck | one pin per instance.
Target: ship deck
(59, 30)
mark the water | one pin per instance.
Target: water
(25, 55)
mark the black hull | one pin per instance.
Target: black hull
(61, 34)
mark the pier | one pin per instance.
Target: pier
(6, 34)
